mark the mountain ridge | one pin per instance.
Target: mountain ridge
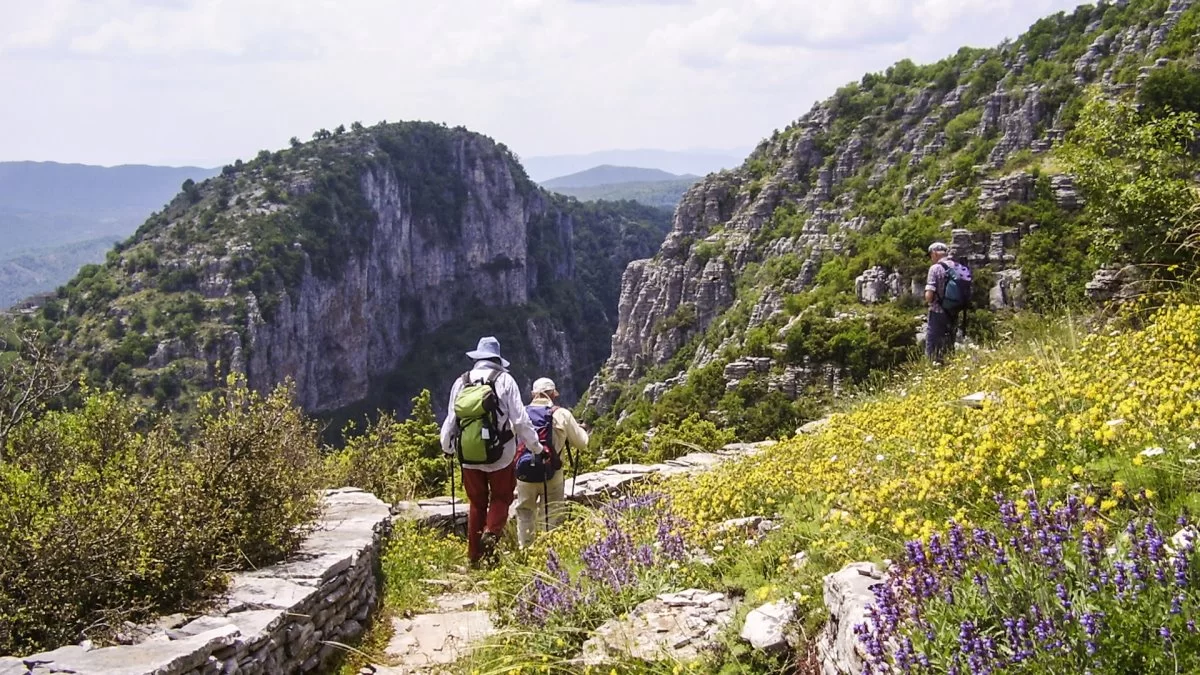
(609, 174)
(799, 272)
(333, 261)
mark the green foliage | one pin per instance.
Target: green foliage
(1181, 42)
(692, 434)
(106, 514)
(392, 459)
(412, 557)
(1137, 177)
(861, 344)
(683, 318)
(1171, 89)
(707, 250)
(960, 129)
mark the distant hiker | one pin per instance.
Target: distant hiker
(483, 422)
(948, 294)
(540, 478)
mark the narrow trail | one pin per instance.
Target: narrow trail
(431, 642)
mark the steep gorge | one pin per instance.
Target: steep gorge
(361, 266)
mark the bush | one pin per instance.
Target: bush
(395, 460)
(693, 434)
(259, 458)
(106, 515)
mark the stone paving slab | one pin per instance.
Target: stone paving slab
(437, 639)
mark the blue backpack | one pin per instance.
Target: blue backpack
(957, 295)
(538, 467)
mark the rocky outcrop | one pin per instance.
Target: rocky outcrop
(767, 627)
(277, 620)
(996, 193)
(878, 285)
(361, 267)
(1115, 283)
(1008, 291)
(334, 335)
(847, 596)
(1065, 193)
(671, 627)
(809, 190)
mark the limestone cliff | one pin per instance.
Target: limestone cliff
(336, 262)
(805, 263)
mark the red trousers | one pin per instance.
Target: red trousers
(490, 495)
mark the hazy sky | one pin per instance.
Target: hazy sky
(207, 81)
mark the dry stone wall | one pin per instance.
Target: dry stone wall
(280, 619)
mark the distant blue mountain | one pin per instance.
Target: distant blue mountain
(683, 162)
(49, 204)
(608, 174)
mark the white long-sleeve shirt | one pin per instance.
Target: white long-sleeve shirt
(511, 415)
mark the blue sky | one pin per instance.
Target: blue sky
(207, 81)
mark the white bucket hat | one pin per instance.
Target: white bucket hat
(489, 348)
(543, 385)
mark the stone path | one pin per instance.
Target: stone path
(588, 488)
(682, 622)
(431, 641)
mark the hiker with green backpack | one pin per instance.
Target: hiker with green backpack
(483, 422)
(948, 294)
(540, 475)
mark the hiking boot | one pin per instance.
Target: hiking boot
(487, 546)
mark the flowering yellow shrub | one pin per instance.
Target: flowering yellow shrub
(1119, 405)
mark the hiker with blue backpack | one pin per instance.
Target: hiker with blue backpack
(948, 295)
(540, 475)
(484, 421)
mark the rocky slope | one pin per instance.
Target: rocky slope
(803, 267)
(360, 265)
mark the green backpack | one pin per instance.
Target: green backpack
(476, 408)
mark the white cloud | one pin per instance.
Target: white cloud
(209, 80)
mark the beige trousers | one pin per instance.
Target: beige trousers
(531, 511)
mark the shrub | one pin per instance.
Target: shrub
(107, 515)
(395, 460)
(693, 434)
(259, 458)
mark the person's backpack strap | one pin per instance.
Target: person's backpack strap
(507, 433)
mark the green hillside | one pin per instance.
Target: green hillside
(204, 285)
(663, 194)
(798, 275)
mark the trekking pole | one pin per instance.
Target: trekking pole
(546, 498)
(453, 500)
